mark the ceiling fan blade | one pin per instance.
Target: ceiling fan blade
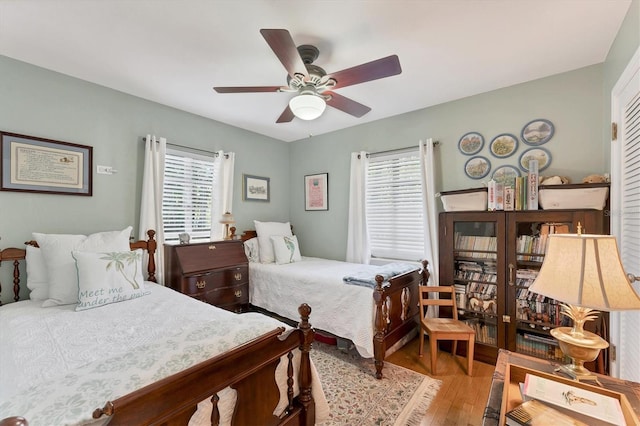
(347, 105)
(380, 68)
(247, 89)
(285, 49)
(286, 116)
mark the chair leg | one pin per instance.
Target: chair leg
(421, 342)
(454, 348)
(470, 346)
(433, 343)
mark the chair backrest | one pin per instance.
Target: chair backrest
(449, 299)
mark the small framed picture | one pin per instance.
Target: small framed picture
(537, 132)
(503, 145)
(542, 155)
(471, 143)
(316, 192)
(477, 167)
(255, 188)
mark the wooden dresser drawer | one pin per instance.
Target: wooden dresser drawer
(234, 298)
(218, 279)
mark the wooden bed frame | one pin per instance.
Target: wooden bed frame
(249, 369)
(397, 309)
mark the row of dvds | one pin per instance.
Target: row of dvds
(540, 347)
(487, 334)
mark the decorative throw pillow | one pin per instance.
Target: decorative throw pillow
(36, 274)
(61, 270)
(252, 250)
(265, 230)
(286, 249)
(109, 277)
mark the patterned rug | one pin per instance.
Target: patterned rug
(356, 397)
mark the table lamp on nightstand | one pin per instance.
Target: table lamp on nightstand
(585, 273)
(228, 220)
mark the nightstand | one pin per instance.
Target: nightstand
(214, 272)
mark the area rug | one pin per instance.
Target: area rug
(356, 397)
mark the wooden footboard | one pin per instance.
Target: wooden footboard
(397, 311)
(249, 369)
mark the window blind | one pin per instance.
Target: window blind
(394, 206)
(187, 195)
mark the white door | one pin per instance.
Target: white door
(625, 212)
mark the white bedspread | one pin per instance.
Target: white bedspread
(344, 310)
(57, 365)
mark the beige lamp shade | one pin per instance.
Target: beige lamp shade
(585, 270)
(227, 218)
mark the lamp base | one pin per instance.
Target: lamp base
(578, 373)
(581, 346)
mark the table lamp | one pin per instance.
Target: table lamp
(585, 273)
(227, 219)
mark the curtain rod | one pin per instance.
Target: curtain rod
(215, 154)
(396, 150)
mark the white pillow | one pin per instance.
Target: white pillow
(61, 269)
(252, 250)
(286, 249)
(110, 277)
(265, 230)
(36, 274)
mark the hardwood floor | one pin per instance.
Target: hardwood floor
(462, 398)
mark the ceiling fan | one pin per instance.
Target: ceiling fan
(314, 87)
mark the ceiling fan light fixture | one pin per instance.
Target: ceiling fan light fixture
(307, 106)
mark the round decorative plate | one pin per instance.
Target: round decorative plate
(537, 132)
(542, 155)
(477, 167)
(471, 143)
(503, 145)
(506, 175)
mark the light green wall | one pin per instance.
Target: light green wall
(572, 101)
(37, 102)
(41, 103)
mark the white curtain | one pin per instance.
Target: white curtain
(427, 167)
(223, 187)
(358, 249)
(151, 204)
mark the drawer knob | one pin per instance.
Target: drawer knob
(212, 247)
(201, 284)
(238, 276)
(238, 293)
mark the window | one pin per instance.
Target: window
(187, 195)
(394, 206)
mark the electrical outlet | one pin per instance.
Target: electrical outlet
(105, 170)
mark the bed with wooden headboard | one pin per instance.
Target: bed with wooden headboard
(147, 356)
(377, 319)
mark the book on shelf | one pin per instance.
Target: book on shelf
(532, 185)
(591, 407)
(534, 412)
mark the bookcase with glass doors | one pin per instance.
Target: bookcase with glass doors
(492, 258)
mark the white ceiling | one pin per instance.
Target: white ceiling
(174, 51)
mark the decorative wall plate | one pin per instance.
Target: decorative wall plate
(471, 143)
(537, 132)
(477, 167)
(503, 145)
(542, 155)
(506, 175)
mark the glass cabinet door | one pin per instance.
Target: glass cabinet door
(533, 315)
(477, 278)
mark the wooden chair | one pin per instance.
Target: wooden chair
(443, 328)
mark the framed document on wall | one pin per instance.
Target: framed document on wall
(316, 192)
(31, 164)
